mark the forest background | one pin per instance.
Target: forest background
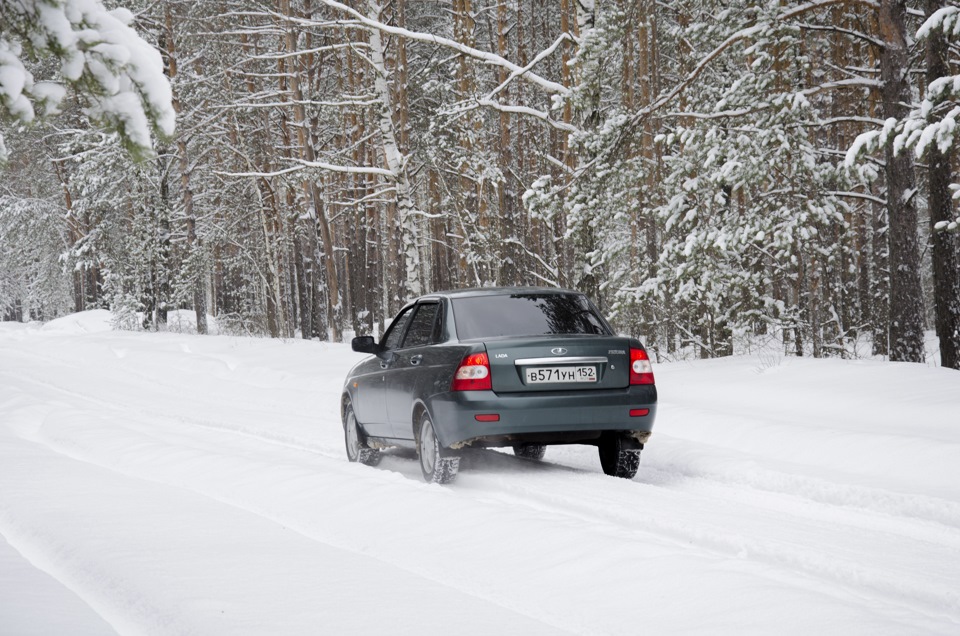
(708, 172)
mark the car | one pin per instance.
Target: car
(520, 367)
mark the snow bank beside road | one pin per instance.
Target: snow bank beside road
(168, 483)
(92, 321)
(98, 320)
(895, 425)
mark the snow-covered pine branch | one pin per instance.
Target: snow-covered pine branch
(119, 75)
(946, 20)
(927, 122)
(739, 36)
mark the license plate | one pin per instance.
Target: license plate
(539, 375)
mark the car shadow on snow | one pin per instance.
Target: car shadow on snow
(484, 461)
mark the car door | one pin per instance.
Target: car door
(371, 404)
(412, 367)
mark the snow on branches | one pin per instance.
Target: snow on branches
(931, 123)
(120, 75)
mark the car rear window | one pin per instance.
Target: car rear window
(525, 315)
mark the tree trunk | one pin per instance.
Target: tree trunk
(310, 189)
(946, 266)
(162, 269)
(906, 298)
(880, 282)
(186, 192)
(506, 198)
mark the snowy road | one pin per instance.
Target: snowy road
(171, 484)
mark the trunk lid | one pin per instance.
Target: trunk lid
(578, 363)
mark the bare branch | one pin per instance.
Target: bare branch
(518, 110)
(550, 87)
(860, 195)
(856, 82)
(301, 52)
(259, 175)
(835, 29)
(347, 169)
(852, 118)
(536, 60)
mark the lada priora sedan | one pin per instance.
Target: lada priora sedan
(499, 367)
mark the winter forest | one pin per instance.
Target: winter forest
(706, 171)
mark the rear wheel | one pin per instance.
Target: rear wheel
(437, 467)
(357, 450)
(618, 458)
(530, 451)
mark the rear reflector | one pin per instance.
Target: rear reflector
(641, 372)
(487, 417)
(639, 412)
(473, 374)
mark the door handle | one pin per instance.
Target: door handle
(384, 365)
(415, 360)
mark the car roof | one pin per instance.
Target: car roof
(496, 291)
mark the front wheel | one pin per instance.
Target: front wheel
(617, 459)
(436, 468)
(357, 450)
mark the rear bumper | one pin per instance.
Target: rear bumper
(560, 417)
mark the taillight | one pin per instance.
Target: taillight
(640, 370)
(473, 374)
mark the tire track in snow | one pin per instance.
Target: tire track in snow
(65, 594)
(790, 440)
(149, 611)
(51, 559)
(842, 565)
(40, 558)
(157, 384)
(138, 471)
(919, 507)
(294, 524)
(289, 441)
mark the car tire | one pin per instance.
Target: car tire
(530, 451)
(617, 460)
(436, 466)
(353, 437)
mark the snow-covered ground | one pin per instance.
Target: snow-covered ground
(173, 484)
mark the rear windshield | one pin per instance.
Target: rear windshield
(525, 315)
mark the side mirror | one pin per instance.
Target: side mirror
(365, 344)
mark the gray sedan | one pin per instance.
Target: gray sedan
(519, 367)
